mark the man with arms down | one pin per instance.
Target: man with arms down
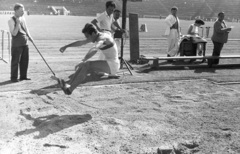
(19, 49)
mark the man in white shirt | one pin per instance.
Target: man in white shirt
(105, 44)
(105, 19)
(172, 32)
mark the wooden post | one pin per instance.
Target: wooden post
(134, 37)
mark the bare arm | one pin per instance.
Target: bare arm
(115, 23)
(189, 30)
(74, 44)
(12, 28)
(90, 53)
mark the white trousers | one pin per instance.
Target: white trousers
(172, 42)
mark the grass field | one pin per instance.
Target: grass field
(46, 29)
(69, 27)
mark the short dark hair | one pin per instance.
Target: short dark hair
(89, 28)
(174, 8)
(110, 4)
(17, 6)
(220, 13)
(199, 21)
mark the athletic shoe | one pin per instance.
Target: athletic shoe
(62, 84)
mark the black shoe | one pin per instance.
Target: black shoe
(170, 61)
(210, 63)
(24, 79)
(192, 60)
(113, 76)
(14, 80)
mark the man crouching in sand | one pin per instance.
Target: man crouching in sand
(108, 62)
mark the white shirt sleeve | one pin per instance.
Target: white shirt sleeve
(100, 17)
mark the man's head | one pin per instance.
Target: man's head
(110, 6)
(174, 10)
(90, 32)
(221, 16)
(116, 14)
(19, 9)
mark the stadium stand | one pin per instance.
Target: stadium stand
(188, 9)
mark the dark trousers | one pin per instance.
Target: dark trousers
(217, 48)
(20, 58)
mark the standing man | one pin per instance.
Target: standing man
(116, 23)
(105, 44)
(117, 30)
(172, 32)
(105, 19)
(219, 37)
(19, 49)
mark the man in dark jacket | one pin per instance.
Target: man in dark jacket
(219, 37)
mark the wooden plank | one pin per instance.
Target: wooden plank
(134, 37)
(193, 57)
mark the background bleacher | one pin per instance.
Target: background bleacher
(188, 9)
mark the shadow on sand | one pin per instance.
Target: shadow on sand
(51, 124)
(7, 82)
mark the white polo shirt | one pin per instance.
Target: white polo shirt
(105, 21)
(110, 54)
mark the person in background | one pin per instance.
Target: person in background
(193, 29)
(219, 37)
(105, 19)
(116, 23)
(19, 48)
(197, 40)
(104, 43)
(117, 30)
(172, 32)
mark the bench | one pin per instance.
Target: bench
(156, 59)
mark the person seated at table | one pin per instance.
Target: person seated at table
(197, 40)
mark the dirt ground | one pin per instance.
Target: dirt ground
(179, 109)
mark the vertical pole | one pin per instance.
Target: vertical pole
(134, 37)
(124, 10)
(1, 58)
(9, 46)
(2, 42)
